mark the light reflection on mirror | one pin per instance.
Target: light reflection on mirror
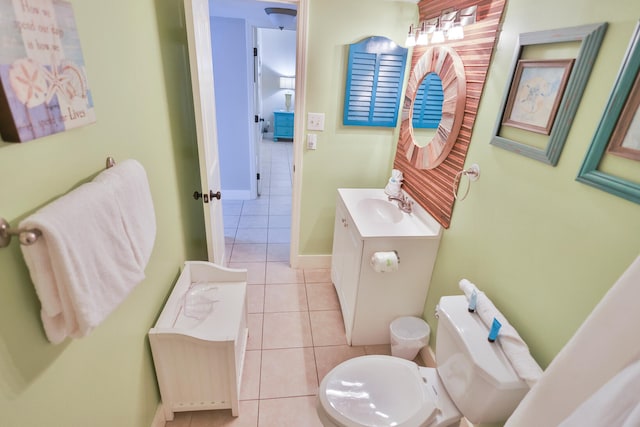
(427, 109)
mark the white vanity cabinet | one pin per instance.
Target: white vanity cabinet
(369, 300)
(198, 348)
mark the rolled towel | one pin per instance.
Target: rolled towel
(512, 344)
(395, 181)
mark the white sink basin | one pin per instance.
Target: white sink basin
(375, 216)
(379, 210)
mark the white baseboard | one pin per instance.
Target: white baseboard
(311, 261)
(158, 418)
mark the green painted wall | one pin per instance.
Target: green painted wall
(135, 54)
(544, 247)
(347, 156)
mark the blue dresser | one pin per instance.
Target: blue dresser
(282, 125)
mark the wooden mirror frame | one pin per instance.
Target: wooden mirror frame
(447, 64)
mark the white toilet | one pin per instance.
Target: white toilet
(473, 379)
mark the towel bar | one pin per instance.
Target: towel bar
(28, 237)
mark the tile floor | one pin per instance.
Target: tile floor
(296, 332)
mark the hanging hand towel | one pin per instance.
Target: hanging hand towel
(83, 265)
(128, 182)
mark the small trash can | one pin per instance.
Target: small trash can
(408, 336)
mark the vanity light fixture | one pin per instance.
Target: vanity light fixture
(449, 25)
(411, 37)
(437, 37)
(426, 28)
(423, 38)
(455, 32)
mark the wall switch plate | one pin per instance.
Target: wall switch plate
(312, 141)
(315, 121)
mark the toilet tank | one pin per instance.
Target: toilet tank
(476, 373)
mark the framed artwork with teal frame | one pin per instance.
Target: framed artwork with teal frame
(622, 96)
(590, 38)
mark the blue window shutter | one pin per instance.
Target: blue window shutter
(427, 107)
(375, 75)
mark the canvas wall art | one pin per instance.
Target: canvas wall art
(43, 82)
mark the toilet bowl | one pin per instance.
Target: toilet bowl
(358, 393)
(473, 379)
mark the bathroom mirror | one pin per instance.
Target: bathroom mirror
(427, 109)
(447, 65)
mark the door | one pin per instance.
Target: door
(201, 64)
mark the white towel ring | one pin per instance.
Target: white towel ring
(473, 174)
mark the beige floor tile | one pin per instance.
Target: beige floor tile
(327, 328)
(255, 271)
(279, 235)
(287, 373)
(278, 298)
(251, 235)
(329, 357)
(254, 341)
(286, 330)
(180, 419)
(384, 349)
(278, 252)
(280, 221)
(250, 387)
(255, 298)
(289, 412)
(317, 275)
(280, 272)
(249, 252)
(247, 416)
(322, 296)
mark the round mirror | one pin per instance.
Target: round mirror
(428, 151)
(427, 109)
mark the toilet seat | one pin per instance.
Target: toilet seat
(377, 391)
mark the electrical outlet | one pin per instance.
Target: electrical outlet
(315, 121)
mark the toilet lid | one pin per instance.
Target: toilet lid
(376, 391)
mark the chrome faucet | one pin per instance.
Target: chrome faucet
(404, 203)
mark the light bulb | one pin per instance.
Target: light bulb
(438, 36)
(423, 39)
(455, 33)
(411, 38)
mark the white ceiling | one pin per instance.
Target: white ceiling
(251, 10)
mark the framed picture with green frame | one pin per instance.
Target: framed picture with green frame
(618, 134)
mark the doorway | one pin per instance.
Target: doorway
(257, 224)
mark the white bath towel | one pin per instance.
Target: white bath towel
(128, 182)
(84, 264)
(616, 403)
(512, 344)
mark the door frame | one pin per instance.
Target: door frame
(299, 128)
